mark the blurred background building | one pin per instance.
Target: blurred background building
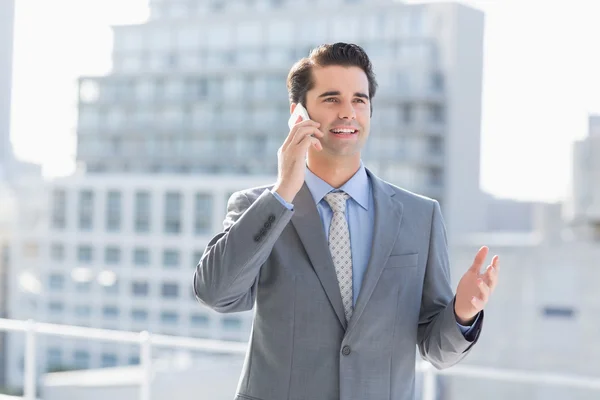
(200, 88)
(7, 9)
(585, 203)
(543, 315)
(6, 160)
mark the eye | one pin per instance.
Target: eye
(330, 99)
(361, 100)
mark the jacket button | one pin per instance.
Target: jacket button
(271, 218)
(257, 238)
(346, 350)
(267, 225)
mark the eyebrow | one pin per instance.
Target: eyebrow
(337, 93)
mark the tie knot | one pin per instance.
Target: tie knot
(337, 201)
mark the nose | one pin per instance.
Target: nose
(347, 111)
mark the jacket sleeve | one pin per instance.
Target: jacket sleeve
(226, 277)
(440, 340)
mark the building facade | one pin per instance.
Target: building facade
(119, 252)
(585, 199)
(201, 87)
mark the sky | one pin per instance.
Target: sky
(541, 81)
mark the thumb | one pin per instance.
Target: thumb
(479, 259)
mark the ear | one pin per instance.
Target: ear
(293, 107)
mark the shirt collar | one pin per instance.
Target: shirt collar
(357, 187)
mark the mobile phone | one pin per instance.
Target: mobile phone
(298, 111)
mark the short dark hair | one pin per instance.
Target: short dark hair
(300, 80)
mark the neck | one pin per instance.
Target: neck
(334, 171)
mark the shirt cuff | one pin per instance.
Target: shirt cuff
(466, 330)
(285, 203)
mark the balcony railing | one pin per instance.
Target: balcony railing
(146, 341)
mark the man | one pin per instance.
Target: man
(348, 272)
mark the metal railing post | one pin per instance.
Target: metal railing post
(30, 364)
(146, 365)
(429, 383)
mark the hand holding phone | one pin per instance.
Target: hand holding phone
(292, 154)
(299, 111)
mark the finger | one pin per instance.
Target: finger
(295, 128)
(479, 259)
(310, 141)
(491, 276)
(484, 290)
(477, 303)
(495, 262)
(306, 131)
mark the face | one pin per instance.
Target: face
(340, 102)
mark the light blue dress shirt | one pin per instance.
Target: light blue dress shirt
(360, 215)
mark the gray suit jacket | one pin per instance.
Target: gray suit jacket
(301, 347)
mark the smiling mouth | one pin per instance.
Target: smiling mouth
(344, 131)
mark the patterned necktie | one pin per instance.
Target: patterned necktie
(339, 246)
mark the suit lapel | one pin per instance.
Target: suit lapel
(388, 216)
(308, 224)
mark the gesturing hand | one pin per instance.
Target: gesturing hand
(474, 289)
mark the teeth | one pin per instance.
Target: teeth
(343, 130)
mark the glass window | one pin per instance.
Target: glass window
(199, 320)
(110, 312)
(130, 39)
(281, 32)
(109, 360)
(82, 359)
(134, 360)
(57, 252)
(141, 256)
(139, 315)
(86, 209)
(219, 36)
(436, 145)
(437, 82)
(231, 323)
(160, 37)
(170, 290)
(83, 287)
(142, 212)
(172, 212)
(144, 89)
(56, 307)
(112, 255)
(115, 118)
(436, 113)
(203, 213)
(88, 118)
(408, 113)
(171, 258)
(56, 282)
(169, 317)
(249, 33)
(83, 310)
(435, 176)
(54, 358)
(187, 37)
(139, 288)
(84, 254)
(59, 209)
(112, 288)
(113, 211)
